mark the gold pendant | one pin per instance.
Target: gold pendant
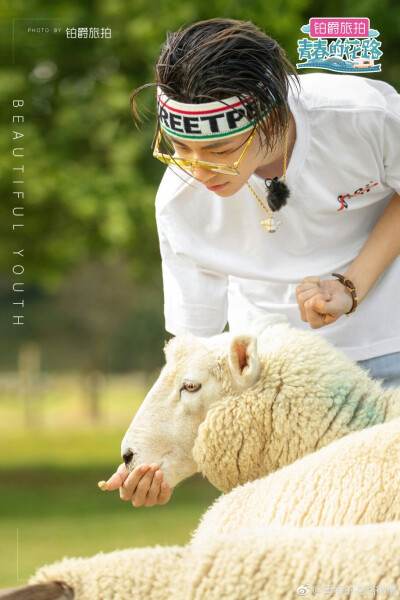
(271, 224)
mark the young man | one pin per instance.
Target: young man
(234, 248)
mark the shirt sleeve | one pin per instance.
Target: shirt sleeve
(391, 143)
(195, 299)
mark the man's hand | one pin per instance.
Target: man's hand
(143, 487)
(322, 302)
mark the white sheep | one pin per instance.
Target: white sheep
(236, 407)
(236, 412)
(258, 564)
(330, 519)
(353, 481)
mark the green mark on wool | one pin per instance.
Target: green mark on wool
(341, 393)
(373, 414)
(366, 410)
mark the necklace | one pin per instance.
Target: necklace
(277, 194)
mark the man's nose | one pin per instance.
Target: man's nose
(202, 174)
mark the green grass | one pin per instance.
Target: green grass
(50, 505)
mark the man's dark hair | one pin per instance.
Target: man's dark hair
(219, 58)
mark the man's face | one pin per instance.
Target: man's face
(227, 152)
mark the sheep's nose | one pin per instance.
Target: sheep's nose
(127, 457)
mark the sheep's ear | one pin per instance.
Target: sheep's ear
(243, 360)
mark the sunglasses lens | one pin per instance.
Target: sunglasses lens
(224, 171)
(170, 160)
(190, 165)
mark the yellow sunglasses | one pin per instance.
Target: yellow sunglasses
(190, 165)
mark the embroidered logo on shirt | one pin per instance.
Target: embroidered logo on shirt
(343, 197)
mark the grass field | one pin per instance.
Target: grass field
(50, 505)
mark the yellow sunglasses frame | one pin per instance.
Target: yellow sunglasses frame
(190, 165)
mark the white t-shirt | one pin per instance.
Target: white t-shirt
(220, 264)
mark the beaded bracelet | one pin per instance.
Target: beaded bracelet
(351, 287)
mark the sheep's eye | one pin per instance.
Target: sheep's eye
(191, 387)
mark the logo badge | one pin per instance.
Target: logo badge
(357, 52)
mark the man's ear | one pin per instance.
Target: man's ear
(243, 360)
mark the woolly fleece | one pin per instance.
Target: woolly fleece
(257, 564)
(307, 395)
(353, 481)
(258, 542)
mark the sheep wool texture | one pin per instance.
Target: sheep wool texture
(330, 519)
(353, 481)
(259, 564)
(308, 394)
(273, 563)
(137, 573)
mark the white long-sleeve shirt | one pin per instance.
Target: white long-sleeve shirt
(220, 264)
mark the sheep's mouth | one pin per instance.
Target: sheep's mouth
(134, 464)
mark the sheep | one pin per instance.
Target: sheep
(274, 563)
(237, 407)
(274, 536)
(259, 564)
(289, 397)
(145, 573)
(352, 481)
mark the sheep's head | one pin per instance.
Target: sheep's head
(236, 408)
(198, 373)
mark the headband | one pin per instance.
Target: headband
(206, 121)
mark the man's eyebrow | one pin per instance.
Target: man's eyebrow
(208, 147)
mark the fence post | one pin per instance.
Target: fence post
(29, 364)
(93, 383)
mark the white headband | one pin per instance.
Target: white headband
(206, 121)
